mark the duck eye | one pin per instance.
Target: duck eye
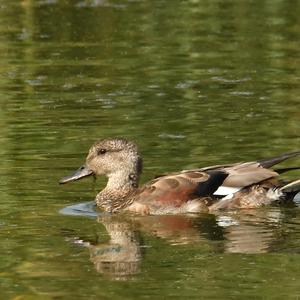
(101, 151)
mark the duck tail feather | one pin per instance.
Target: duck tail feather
(292, 187)
(284, 170)
(269, 162)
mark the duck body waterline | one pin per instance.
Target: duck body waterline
(240, 185)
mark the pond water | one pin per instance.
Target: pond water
(194, 83)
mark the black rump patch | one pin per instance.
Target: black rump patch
(208, 187)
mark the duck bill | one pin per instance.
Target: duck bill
(83, 171)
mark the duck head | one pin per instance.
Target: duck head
(114, 158)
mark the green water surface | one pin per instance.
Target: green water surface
(194, 83)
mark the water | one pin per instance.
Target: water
(194, 83)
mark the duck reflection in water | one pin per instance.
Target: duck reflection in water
(121, 256)
(252, 231)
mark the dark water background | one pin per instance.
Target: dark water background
(194, 83)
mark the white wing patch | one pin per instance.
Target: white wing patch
(226, 190)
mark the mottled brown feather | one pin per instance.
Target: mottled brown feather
(241, 174)
(171, 190)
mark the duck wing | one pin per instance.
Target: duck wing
(176, 189)
(244, 174)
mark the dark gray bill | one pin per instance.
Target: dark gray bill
(83, 171)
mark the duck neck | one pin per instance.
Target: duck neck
(118, 192)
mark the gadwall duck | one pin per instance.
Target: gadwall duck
(221, 187)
